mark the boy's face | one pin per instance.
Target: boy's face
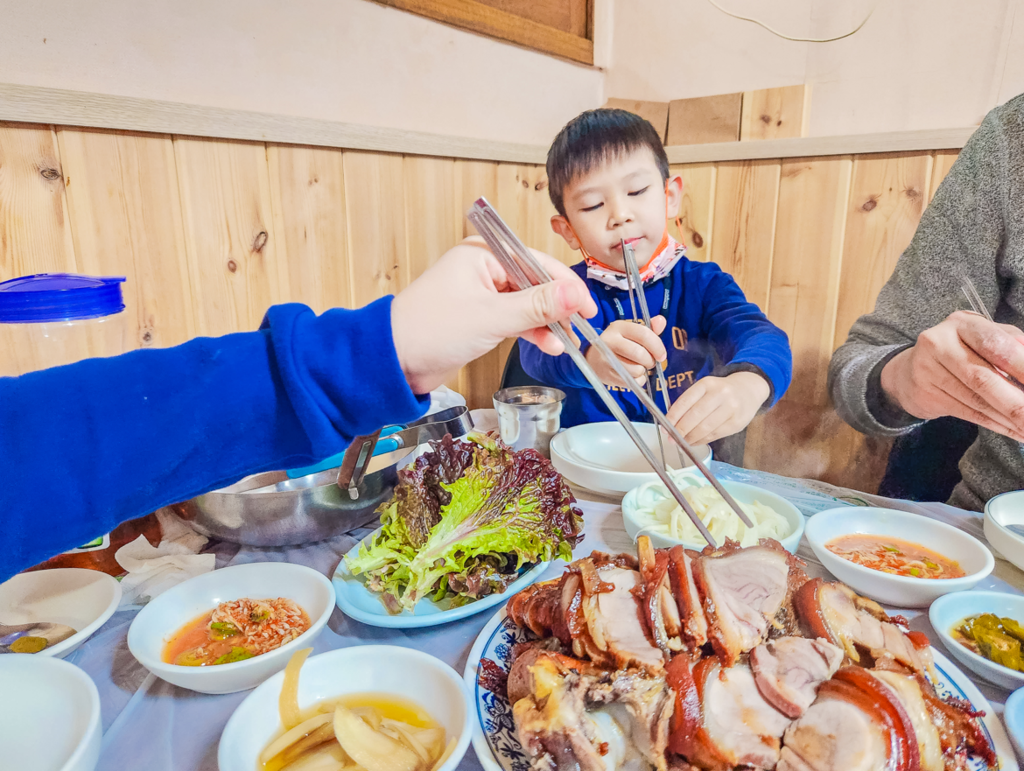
(624, 198)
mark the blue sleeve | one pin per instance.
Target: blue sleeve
(101, 441)
(557, 371)
(743, 335)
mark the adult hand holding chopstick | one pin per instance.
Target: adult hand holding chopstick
(957, 368)
(467, 301)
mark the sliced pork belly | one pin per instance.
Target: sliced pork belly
(736, 725)
(694, 624)
(789, 670)
(614, 622)
(572, 717)
(833, 611)
(742, 590)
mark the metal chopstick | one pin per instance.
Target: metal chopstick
(635, 287)
(971, 292)
(495, 231)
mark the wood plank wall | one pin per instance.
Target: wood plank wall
(211, 232)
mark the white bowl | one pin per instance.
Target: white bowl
(1000, 511)
(79, 598)
(900, 591)
(1013, 717)
(153, 628)
(49, 715)
(637, 524)
(947, 612)
(601, 456)
(407, 673)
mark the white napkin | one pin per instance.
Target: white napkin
(152, 570)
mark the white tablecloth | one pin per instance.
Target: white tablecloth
(150, 724)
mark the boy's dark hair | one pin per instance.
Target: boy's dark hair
(591, 138)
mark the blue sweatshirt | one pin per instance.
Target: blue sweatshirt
(712, 330)
(92, 444)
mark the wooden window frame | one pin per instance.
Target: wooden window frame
(492, 22)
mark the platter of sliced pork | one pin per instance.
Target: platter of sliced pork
(730, 658)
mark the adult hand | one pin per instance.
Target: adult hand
(463, 306)
(714, 407)
(955, 369)
(636, 346)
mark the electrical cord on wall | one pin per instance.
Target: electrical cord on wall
(796, 39)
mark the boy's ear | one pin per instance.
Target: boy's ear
(673, 196)
(561, 225)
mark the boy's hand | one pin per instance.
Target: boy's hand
(714, 407)
(636, 346)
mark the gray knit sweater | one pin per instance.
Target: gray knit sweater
(975, 224)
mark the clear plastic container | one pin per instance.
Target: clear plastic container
(52, 319)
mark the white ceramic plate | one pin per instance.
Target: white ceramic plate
(900, 591)
(49, 715)
(358, 602)
(1000, 511)
(412, 674)
(170, 611)
(601, 456)
(637, 524)
(494, 731)
(1013, 716)
(947, 612)
(79, 598)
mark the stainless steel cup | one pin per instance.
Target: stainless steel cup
(528, 416)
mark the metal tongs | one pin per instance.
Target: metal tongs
(637, 298)
(525, 271)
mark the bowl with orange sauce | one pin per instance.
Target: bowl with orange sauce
(231, 629)
(901, 559)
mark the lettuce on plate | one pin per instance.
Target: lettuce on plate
(464, 519)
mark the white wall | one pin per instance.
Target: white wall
(916, 64)
(345, 60)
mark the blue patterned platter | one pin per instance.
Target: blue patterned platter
(494, 732)
(358, 602)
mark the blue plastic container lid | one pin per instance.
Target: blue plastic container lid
(59, 297)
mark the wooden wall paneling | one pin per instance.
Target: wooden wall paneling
(307, 192)
(125, 212)
(704, 119)
(479, 379)
(793, 438)
(524, 203)
(35, 233)
(696, 211)
(775, 113)
(942, 162)
(430, 212)
(233, 254)
(887, 197)
(375, 210)
(745, 209)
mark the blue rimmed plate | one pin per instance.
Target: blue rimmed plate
(494, 731)
(358, 602)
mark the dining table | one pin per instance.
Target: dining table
(148, 723)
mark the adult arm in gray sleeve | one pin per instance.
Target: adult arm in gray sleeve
(961, 231)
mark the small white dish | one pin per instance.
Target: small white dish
(49, 715)
(153, 628)
(947, 612)
(79, 598)
(1000, 511)
(601, 456)
(358, 602)
(389, 669)
(900, 591)
(1013, 717)
(638, 524)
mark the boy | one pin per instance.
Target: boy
(608, 177)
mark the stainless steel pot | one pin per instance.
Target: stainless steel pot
(271, 509)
